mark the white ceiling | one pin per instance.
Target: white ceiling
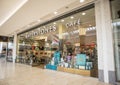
(30, 12)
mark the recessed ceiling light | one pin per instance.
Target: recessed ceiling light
(71, 17)
(83, 13)
(62, 20)
(55, 12)
(54, 23)
(82, 1)
(39, 20)
(28, 25)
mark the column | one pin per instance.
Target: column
(14, 47)
(60, 37)
(82, 34)
(106, 67)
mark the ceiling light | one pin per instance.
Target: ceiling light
(82, 1)
(90, 25)
(83, 13)
(54, 23)
(39, 20)
(28, 25)
(71, 17)
(55, 12)
(62, 20)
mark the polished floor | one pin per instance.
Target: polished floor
(20, 74)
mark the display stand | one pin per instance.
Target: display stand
(75, 71)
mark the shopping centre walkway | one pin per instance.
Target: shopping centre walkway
(20, 74)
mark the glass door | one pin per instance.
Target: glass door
(116, 37)
(3, 49)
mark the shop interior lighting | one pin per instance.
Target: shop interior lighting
(88, 29)
(91, 28)
(66, 33)
(55, 12)
(83, 13)
(118, 23)
(62, 20)
(54, 23)
(82, 1)
(71, 17)
(114, 23)
(94, 28)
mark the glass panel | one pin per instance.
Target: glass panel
(10, 49)
(116, 33)
(3, 49)
(115, 7)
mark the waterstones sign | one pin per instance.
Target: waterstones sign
(43, 30)
(48, 29)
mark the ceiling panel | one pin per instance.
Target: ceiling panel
(30, 12)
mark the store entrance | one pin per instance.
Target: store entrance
(3, 53)
(3, 49)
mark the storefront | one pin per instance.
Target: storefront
(79, 42)
(73, 37)
(3, 46)
(6, 47)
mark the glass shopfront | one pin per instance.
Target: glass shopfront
(115, 6)
(67, 44)
(3, 46)
(6, 47)
(10, 49)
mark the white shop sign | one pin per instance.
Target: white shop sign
(73, 23)
(43, 30)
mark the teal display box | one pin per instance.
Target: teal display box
(81, 59)
(51, 67)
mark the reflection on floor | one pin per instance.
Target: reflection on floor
(20, 74)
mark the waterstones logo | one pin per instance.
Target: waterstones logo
(43, 30)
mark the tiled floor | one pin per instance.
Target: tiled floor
(19, 74)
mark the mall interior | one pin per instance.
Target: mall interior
(66, 42)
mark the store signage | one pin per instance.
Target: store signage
(72, 24)
(43, 30)
(47, 29)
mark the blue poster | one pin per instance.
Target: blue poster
(81, 59)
